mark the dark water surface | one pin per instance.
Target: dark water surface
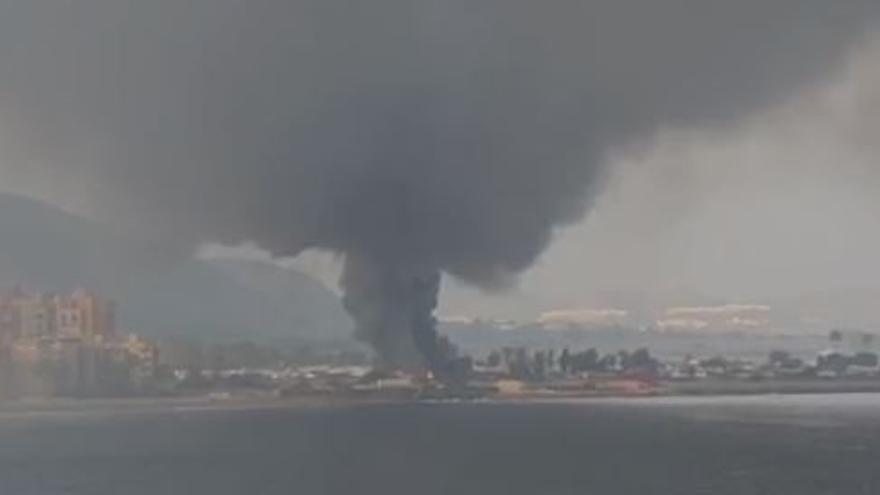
(794, 445)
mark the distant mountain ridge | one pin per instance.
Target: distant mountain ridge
(160, 293)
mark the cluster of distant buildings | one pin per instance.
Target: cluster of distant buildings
(523, 372)
(720, 318)
(67, 345)
(727, 317)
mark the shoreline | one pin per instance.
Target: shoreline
(232, 401)
(147, 405)
(718, 387)
(783, 387)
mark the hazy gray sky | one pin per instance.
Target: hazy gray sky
(727, 146)
(784, 202)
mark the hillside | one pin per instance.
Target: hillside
(161, 293)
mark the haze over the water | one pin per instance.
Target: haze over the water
(419, 139)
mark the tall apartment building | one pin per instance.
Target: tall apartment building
(35, 316)
(67, 345)
(83, 315)
(79, 315)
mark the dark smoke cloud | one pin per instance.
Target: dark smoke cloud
(393, 304)
(414, 136)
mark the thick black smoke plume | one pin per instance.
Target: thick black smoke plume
(416, 137)
(393, 305)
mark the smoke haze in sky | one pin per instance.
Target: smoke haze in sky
(416, 137)
(782, 204)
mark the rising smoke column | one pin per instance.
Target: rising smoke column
(393, 305)
(414, 137)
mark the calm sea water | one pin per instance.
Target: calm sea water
(767, 445)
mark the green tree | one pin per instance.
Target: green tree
(494, 359)
(836, 336)
(565, 361)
